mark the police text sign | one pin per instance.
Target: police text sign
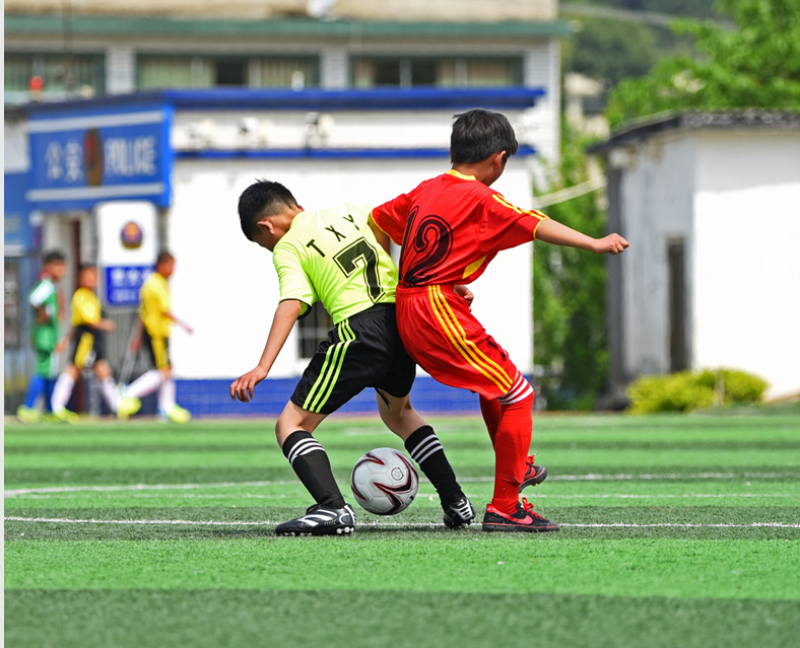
(77, 161)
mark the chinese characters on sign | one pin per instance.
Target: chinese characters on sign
(124, 158)
(83, 159)
(123, 284)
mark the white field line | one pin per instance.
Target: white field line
(590, 477)
(612, 525)
(140, 487)
(72, 495)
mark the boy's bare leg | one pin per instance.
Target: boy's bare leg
(424, 447)
(295, 418)
(398, 414)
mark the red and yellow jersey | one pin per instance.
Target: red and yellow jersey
(451, 227)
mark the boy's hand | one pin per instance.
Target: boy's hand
(462, 291)
(243, 387)
(611, 244)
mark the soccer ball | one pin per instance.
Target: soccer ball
(384, 481)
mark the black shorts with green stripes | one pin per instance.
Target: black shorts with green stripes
(88, 346)
(157, 348)
(364, 350)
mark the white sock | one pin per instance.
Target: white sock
(62, 391)
(109, 390)
(166, 395)
(145, 384)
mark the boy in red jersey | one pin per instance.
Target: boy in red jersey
(451, 227)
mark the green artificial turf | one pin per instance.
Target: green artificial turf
(675, 530)
(366, 619)
(752, 569)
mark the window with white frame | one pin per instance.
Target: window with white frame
(226, 71)
(61, 74)
(444, 72)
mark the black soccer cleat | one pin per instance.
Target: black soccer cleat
(320, 520)
(525, 519)
(459, 513)
(533, 474)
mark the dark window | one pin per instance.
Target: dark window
(424, 72)
(387, 73)
(313, 329)
(677, 305)
(231, 73)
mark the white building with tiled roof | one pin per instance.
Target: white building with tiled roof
(710, 202)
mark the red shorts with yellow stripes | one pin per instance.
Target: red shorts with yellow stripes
(444, 338)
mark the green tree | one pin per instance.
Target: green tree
(569, 289)
(611, 50)
(755, 65)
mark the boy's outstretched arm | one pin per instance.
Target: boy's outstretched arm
(285, 316)
(553, 232)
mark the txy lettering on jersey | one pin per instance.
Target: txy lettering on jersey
(349, 218)
(311, 244)
(332, 230)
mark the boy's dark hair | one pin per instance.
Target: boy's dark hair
(163, 257)
(87, 266)
(53, 255)
(479, 133)
(263, 198)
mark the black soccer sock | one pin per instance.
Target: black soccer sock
(425, 449)
(310, 461)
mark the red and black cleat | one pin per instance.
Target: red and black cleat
(525, 519)
(533, 474)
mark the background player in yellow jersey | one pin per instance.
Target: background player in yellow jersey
(88, 329)
(152, 332)
(334, 256)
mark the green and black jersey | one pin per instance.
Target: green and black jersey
(333, 256)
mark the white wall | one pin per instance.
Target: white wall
(542, 69)
(734, 196)
(283, 129)
(656, 206)
(225, 286)
(747, 256)
(16, 156)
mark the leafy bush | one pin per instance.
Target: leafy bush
(684, 391)
(738, 386)
(677, 392)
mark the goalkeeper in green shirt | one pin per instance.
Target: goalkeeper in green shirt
(339, 257)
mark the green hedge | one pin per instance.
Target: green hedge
(686, 390)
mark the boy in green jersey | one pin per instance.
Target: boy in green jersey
(47, 300)
(338, 257)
